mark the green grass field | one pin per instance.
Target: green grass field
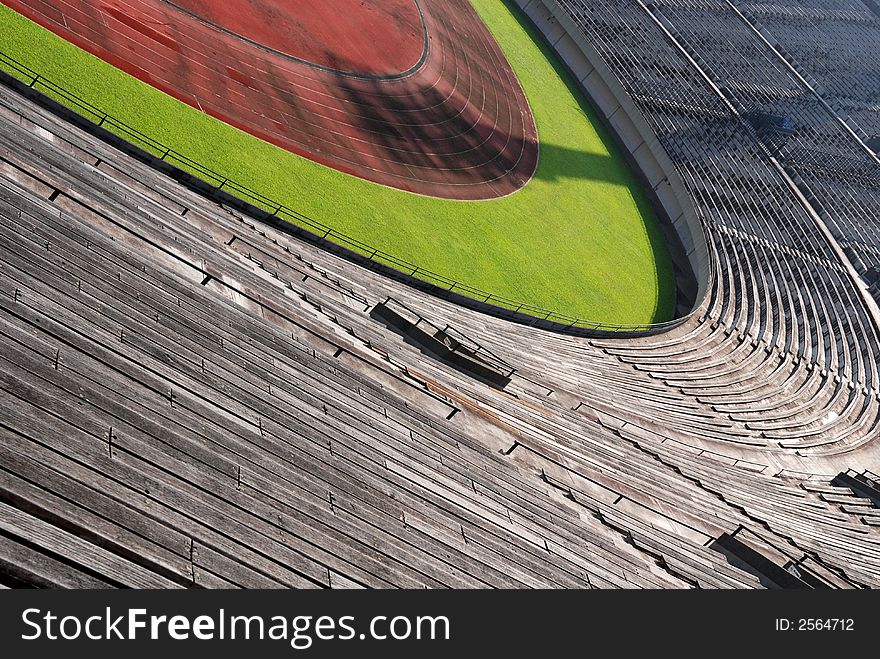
(580, 238)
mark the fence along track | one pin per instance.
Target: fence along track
(320, 232)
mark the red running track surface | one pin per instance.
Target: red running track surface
(413, 94)
(385, 38)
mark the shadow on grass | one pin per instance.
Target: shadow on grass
(561, 162)
(558, 162)
(416, 146)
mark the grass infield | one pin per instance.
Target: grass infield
(580, 238)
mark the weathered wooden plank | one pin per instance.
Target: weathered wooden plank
(116, 528)
(21, 563)
(184, 511)
(121, 431)
(50, 538)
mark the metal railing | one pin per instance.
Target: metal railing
(166, 153)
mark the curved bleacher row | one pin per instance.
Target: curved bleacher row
(839, 59)
(784, 294)
(827, 154)
(834, 47)
(191, 398)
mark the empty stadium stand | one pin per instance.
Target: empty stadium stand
(192, 398)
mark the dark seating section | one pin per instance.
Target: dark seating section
(193, 399)
(789, 215)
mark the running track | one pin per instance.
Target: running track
(413, 94)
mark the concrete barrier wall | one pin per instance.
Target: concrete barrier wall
(632, 131)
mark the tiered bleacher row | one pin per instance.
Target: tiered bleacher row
(193, 398)
(775, 60)
(839, 59)
(700, 74)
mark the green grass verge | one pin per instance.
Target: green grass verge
(580, 238)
